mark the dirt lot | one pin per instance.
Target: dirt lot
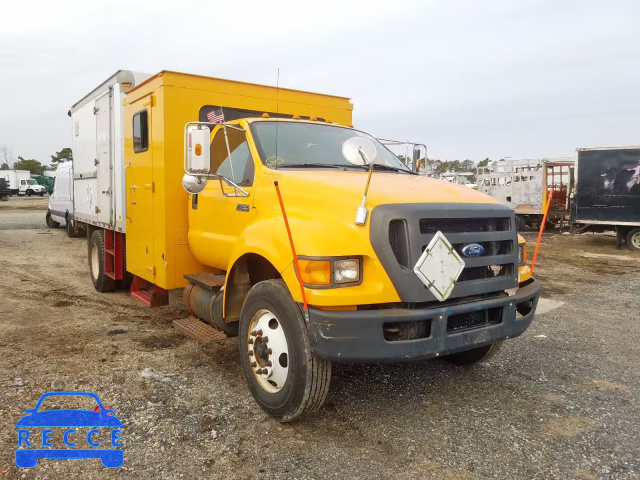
(559, 402)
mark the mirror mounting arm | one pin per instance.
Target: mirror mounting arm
(363, 212)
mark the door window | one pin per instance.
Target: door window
(239, 166)
(141, 132)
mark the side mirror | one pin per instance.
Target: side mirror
(359, 151)
(419, 153)
(198, 140)
(416, 153)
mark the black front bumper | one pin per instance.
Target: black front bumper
(358, 336)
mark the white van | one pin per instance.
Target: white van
(61, 200)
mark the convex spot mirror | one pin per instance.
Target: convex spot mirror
(193, 184)
(198, 140)
(359, 151)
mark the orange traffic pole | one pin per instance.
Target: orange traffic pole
(544, 222)
(293, 249)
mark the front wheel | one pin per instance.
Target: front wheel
(475, 355)
(29, 193)
(51, 223)
(633, 239)
(284, 376)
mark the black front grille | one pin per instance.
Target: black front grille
(504, 247)
(463, 225)
(479, 273)
(471, 320)
(399, 234)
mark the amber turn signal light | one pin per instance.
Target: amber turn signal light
(315, 272)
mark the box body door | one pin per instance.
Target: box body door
(104, 159)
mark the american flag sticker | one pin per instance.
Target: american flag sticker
(216, 115)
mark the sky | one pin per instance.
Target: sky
(496, 78)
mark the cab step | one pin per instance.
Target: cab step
(197, 330)
(206, 280)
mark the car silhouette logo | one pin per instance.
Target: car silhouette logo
(69, 419)
(472, 250)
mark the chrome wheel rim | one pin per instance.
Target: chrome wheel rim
(268, 351)
(95, 261)
(635, 240)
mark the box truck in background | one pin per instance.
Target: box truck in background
(606, 193)
(525, 185)
(21, 183)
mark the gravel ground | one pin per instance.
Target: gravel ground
(561, 401)
(23, 212)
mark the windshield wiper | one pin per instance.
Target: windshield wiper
(388, 168)
(310, 165)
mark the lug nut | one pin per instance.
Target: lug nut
(251, 341)
(254, 364)
(269, 352)
(251, 353)
(256, 333)
(269, 364)
(264, 339)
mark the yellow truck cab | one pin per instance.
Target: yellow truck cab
(225, 181)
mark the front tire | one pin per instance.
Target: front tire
(51, 223)
(633, 239)
(284, 376)
(101, 281)
(475, 355)
(29, 193)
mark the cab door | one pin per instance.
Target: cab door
(219, 213)
(139, 192)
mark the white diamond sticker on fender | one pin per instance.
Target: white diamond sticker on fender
(439, 267)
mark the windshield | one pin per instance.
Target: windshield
(31, 182)
(311, 144)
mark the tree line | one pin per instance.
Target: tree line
(8, 162)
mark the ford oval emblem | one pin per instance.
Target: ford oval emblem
(472, 250)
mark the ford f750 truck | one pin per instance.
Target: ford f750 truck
(301, 235)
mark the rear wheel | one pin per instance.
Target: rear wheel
(51, 223)
(284, 376)
(101, 281)
(475, 355)
(633, 239)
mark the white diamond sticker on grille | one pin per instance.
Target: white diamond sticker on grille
(439, 267)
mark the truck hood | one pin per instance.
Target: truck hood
(385, 188)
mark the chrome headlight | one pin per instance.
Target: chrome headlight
(346, 271)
